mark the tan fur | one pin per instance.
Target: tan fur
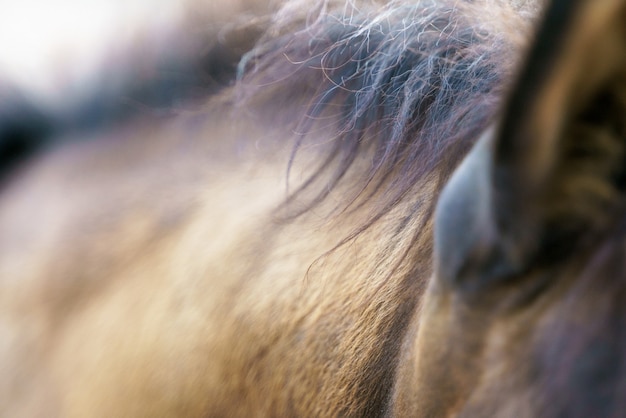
(147, 273)
(146, 289)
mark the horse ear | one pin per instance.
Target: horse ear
(555, 166)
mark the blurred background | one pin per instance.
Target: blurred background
(68, 65)
(57, 52)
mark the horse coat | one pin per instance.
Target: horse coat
(393, 209)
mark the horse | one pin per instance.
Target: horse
(393, 208)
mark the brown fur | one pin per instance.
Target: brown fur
(168, 269)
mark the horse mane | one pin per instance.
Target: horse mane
(407, 85)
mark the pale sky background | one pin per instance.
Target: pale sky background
(55, 48)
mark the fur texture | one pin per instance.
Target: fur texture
(271, 253)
